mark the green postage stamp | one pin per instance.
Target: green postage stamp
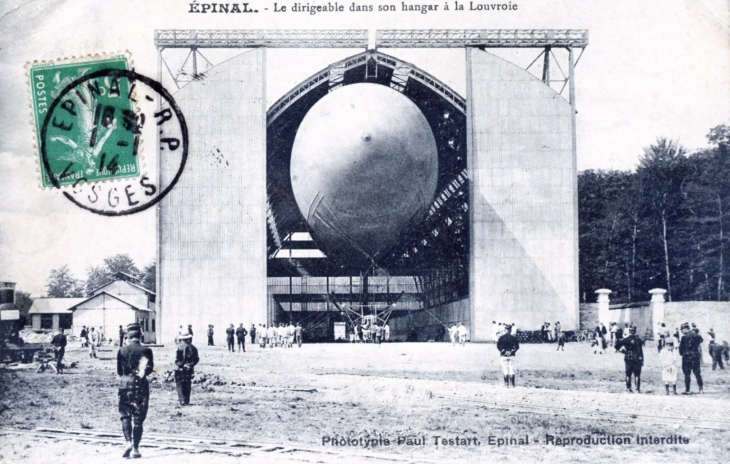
(86, 126)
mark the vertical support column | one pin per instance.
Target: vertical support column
(657, 308)
(213, 223)
(574, 178)
(194, 51)
(546, 67)
(522, 199)
(604, 316)
(158, 282)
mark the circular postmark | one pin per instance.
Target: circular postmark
(91, 141)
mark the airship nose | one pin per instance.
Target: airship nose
(365, 157)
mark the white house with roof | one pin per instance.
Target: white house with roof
(114, 304)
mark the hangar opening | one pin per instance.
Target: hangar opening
(367, 202)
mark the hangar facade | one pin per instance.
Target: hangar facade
(499, 241)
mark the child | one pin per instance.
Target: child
(669, 359)
(561, 341)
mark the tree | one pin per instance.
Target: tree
(96, 276)
(121, 263)
(149, 277)
(61, 284)
(23, 302)
(661, 173)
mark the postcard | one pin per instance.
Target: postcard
(364, 231)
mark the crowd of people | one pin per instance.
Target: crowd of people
(458, 334)
(367, 331)
(274, 335)
(678, 348)
(92, 338)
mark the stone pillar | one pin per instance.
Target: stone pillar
(657, 308)
(56, 322)
(604, 316)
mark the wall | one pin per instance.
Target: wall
(212, 225)
(107, 312)
(706, 314)
(523, 201)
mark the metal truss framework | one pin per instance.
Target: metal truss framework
(545, 39)
(249, 38)
(482, 38)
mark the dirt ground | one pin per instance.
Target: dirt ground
(414, 391)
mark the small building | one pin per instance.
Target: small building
(52, 313)
(109, 311)
(119, 302)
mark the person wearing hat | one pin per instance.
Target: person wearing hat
(508, 346)
(186, 358)
(241, 337)
(59, 342)
(689, 350)
(669, 359)
(134, 363)
(633, 358)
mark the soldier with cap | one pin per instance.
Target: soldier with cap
(134, 364)
(241, 337)
(59, 348)
(689, 350)
(186, 358)
(633, 358)
(508, 346)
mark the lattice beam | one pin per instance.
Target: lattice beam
(485, 38)
(198, 38)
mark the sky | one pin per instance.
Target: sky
(651, 69)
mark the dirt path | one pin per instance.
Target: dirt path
(411, 392)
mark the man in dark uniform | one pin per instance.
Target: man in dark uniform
(185, 359)
(689, 350)
(134, 364)
(230, 333)
(716, 355)
(508, 346)
(633, 357)
(59, 346)
(210, 335)
(298, 335)
(252, 332)
(241, 337)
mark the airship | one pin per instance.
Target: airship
(364, 166)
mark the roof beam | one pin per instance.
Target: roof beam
(253, 38)
(482, 38)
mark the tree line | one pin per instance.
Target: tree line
(664, 225)
(62, 284)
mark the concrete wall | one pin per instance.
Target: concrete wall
(706, 314)
(523, 202)
(588, 316)
(212, 225)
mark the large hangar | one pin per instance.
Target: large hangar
(263, 238)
